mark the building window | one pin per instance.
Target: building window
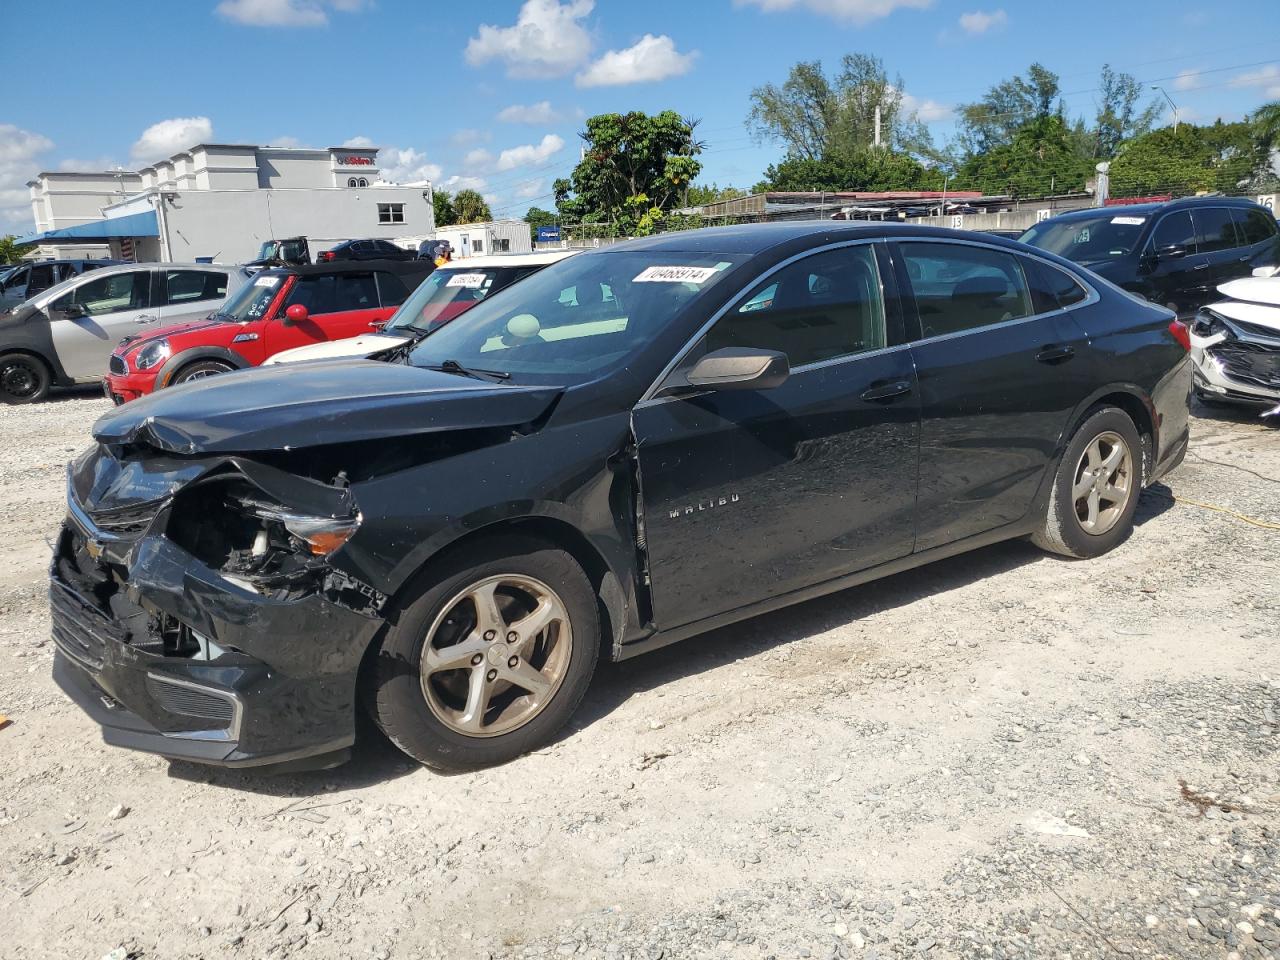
(391, 213)
(363, 182)
(351, 181)
(502, 245)
(478, 246)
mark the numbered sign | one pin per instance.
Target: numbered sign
(957, 222)
(1043, 215)
(1268, 200)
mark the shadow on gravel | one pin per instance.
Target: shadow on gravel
(1232, 413)
(375, 759)
(82, 392)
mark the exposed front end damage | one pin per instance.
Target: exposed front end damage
(1235, 349)
(198, 611)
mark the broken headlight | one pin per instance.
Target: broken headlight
(153, 354)
(1208, 324)
(320, 535)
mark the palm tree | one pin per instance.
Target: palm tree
(1266, 125)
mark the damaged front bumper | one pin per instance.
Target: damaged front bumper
(1235, 361)
(173, 654)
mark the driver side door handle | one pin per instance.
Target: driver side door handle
(1052, 354)
(886, 391)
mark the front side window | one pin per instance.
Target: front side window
(1254, 226)
(189, 286)
(391, 213)
(1214, 229)
(958, 287)
(819, 308)
(391, 289)
(109, 294)
(42, 278)
(356, 291)
(540, 334)
(1174, 232)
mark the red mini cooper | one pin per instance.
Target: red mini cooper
(278, 309)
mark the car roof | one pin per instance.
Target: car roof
(540, 258)
(62, 262)
(116, 266)
(353, 266)
(1154, 207)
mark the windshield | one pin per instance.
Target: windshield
(576, 319)
(1087, 239)
(447, 293)
(252, 300)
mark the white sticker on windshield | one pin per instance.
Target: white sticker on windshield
(1130, 221)
(266, 281)
(471, 281)
(675, 275)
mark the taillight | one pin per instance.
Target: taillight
(326, 255)
(1180, 333)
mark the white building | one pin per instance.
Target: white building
(478, 239)
(221, 201)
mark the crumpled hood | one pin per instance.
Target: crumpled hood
(289, 407)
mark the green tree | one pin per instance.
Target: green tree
(1119, 118)
(859, 170)
(816, 116)
(1042, 158)
(536, 217)
(10, 252)
(470, 207)
(635, 167)
(442, 203)
(995, 119)
(1224, 157)
(700, 194)
(1266, 126)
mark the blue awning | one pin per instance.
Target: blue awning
(132, 225)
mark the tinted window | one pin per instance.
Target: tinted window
(190, 286)
(1088, 239)
(42, 278)
(335, 293)
(109, 294)
(356, 291)
(1051, 288)
(1174, 230)
(1254, 226)
(391, 289)
(959, 287)
(824, 306)
(1214, 229)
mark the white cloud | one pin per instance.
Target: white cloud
(1267, 77)
(547, 39)
(531, 188)
(163, 139)
(456, 183)
(407, 166)
(530, 154)
(470, 135)
(285, 13)
(980, 21)
(649, 60)
(285, 141)
(19, 151)
(1186, 79)
(360, 141)
(540, 112)
(479, 158)
(930, 111)
(850, 11)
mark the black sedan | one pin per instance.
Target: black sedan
(629, 448)
(366, 250)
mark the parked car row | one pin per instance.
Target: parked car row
(626, 448)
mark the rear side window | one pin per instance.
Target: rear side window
(391, 289)
(1214, 229)
(1051, 288)
(42, 278)
(1174, 230)
(113, 293)
(1254, 226)
(191, 286)
(958, 287)
(819, 308)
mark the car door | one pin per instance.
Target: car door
(753, 494)
(87, 321)
(339, 305)
(1178, 275)
(190, 294)
(999, 375)
(1217, 240)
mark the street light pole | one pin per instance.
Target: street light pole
(1172, 104)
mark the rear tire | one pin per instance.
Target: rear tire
(23, 378)
(447, 685)
(1095, 491)
(199, 370)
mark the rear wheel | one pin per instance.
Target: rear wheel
(201, 369)
(490, 659)
(1095, 492)
(23, 378)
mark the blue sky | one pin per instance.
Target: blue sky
(492, 94)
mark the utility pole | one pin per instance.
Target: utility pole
(1103, 190)
(877, 135)
(1172, 104)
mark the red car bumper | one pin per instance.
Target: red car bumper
(123, 387)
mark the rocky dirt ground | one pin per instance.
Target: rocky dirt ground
(1001, 755)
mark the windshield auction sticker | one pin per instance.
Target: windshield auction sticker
(675, 275)
(1129, 221)
(266, 281)
(471, 281)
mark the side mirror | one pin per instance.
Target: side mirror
(740, 368)
(297, 313)
(71, 311)
(1172, 252)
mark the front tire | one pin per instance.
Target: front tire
(199, 370)
(23, 378)
(490, 658)
(1095, 491)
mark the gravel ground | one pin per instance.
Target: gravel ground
(1000, 755)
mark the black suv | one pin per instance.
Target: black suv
(366, 250)
(1173, 253)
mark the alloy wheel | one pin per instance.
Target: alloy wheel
(1104, 482)
(496, 655)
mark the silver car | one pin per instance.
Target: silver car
(65, 335)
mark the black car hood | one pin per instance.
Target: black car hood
(289, 406)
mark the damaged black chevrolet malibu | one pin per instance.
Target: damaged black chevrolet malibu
(632, 447)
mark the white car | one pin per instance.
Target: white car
(1235, 343)
(447, 293)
